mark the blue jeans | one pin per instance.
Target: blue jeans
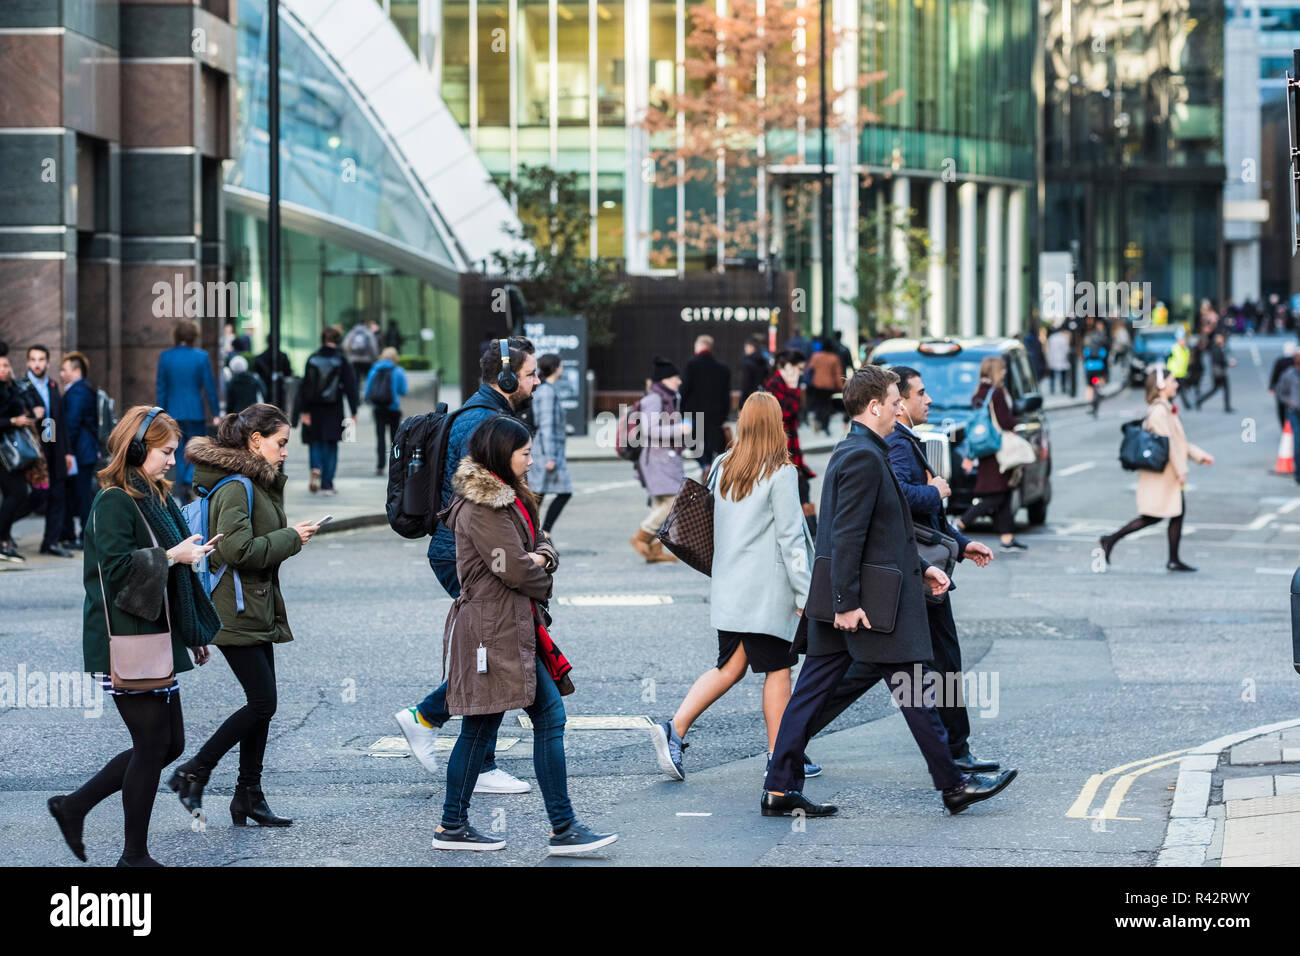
(185, 469)
(325, 456)
(434, 707)
(477, 732)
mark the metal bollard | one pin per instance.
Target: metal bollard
(1295, 620)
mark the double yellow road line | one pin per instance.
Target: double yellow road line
(1110, 809)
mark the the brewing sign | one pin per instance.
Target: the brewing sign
(565, 336)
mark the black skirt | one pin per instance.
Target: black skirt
(763, 652)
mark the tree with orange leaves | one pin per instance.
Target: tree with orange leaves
(752, 83)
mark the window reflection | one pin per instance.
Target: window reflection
(493, 64)
(455, 59)
(534, 63)
(610, 63)
(572, 66)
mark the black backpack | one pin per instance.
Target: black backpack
(416, 468)
(324, 380)
(380, 393)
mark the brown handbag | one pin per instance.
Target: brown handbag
(688, 530)
(139, 661)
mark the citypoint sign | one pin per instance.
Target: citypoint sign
(741, 313)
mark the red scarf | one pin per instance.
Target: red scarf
(555, 662)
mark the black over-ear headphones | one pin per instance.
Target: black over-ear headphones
(136, 452)
(507, 381)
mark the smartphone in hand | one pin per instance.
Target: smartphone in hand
(324, 521)
(213, 540)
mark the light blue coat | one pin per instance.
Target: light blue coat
(762, 556)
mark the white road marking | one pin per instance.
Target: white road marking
(1254, 354)
(610, 486)
(1261, 521)
(1289, 507)
(681, 814)
(598, 722)
(1287, 571)
(1075, 469)
(617, 600)
(398, 747)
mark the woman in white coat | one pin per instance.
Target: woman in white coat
(762, 566)
(1160, 493)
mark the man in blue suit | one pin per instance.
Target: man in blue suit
(82, 432)
(924, 493)
(184, 380)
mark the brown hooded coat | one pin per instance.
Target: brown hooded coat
(499, 581)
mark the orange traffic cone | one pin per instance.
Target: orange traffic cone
(1286, 451)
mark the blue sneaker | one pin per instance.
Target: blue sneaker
(668, 749)
(810, 769)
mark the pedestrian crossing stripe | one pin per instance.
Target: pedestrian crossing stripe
(617, 600)
(598, 722)
(398, 747)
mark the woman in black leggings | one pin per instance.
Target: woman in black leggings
(1160, 493)
(15, 414)
(992, 486)
(550, 472)
(240, 473)
(133, 519)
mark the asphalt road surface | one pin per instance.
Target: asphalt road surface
(1082, 670)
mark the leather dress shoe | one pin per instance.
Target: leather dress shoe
(787, 803)
(977, 787)
(57, 550)
(967, 763)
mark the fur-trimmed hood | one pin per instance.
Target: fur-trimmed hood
(235, 461)
(475, 483)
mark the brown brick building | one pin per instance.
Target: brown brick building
(115, 118)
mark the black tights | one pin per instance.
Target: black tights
(157, 738)
(254, 668)
(553, 512)
(1145, 521)
(997, 504)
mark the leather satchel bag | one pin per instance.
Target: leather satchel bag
(879, 588)
(938, 549)
(1141, 450)
(688, 530)
(139, 661)
(18, 450)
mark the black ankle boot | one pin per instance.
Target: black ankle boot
(69, 825)
(251, 802)
(187, 782)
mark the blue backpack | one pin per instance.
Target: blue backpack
(196, 516)
(982, 438)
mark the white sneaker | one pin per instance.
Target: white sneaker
(498, 781)
(420, 738)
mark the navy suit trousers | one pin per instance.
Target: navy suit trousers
(819, 679)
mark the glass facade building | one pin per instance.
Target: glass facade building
(1133, 144)
(1261, 37)
(383, 201)
(565, 82)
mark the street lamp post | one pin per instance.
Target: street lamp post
(273, 196)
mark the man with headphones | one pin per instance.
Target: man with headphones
(508, 375)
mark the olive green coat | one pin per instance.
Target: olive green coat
(255, 545)
(134, 575)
